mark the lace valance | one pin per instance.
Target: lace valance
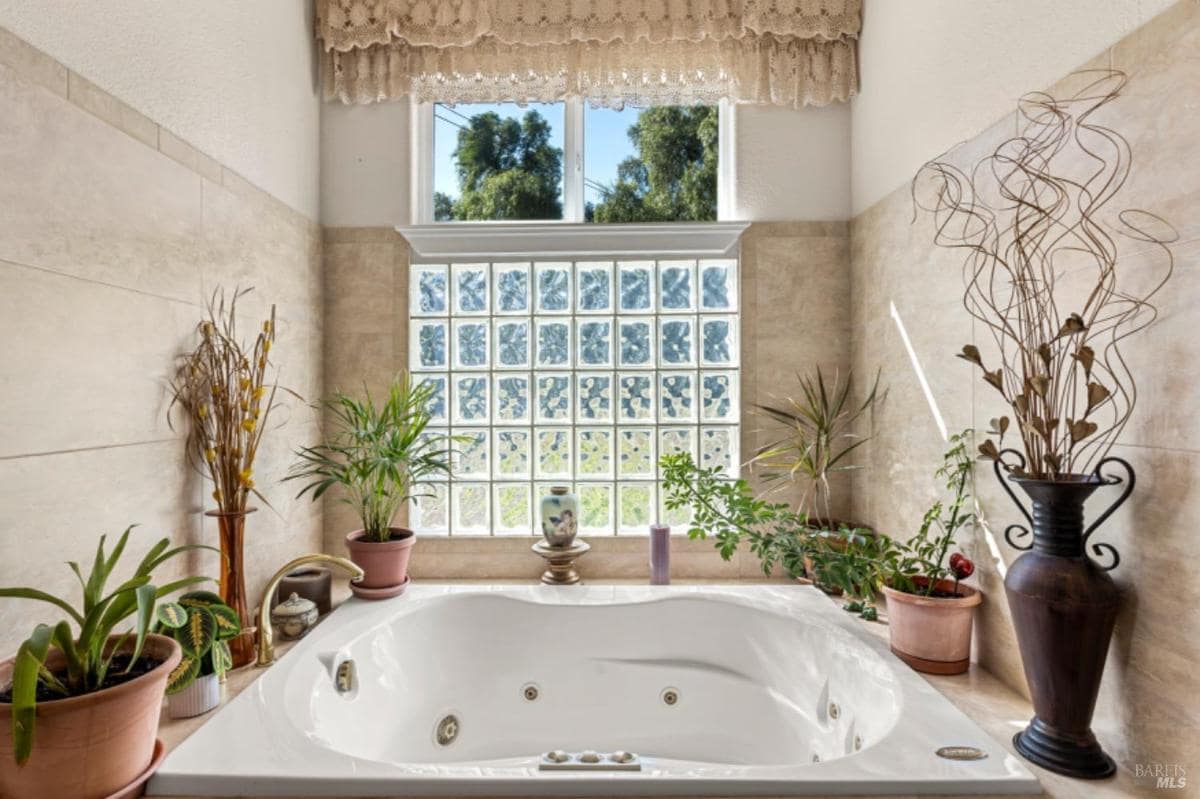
(611, 52)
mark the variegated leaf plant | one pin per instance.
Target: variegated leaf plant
(202, 624)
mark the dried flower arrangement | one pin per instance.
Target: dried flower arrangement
(222, 388)
(1026, 215)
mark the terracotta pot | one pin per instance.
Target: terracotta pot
(90, 746)
(385, 564)
(932, 634)
(817, 526)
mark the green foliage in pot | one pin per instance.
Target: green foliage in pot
(89, 659)
(728, 511)
(377, 454)
(202, 624)
(814, 439)
(861, 565)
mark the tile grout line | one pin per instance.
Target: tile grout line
(93, 281)
(96, 448)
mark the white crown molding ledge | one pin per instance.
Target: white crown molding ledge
(460, 240)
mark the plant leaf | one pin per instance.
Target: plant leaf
(193, 599)
(1086, 356)
(146, 595)
(26, 667)
(1080, 429)
(988, 450)
(1096, 394)
(971, 353)
(42, 596)
(1040, 384)
(995, 379)
(222, 658)
(171, 615)
(1045, 353)
(184, 674)
(1072, 326)
(197, 635)
(227, 621)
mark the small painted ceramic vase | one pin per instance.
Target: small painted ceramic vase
(560, 517)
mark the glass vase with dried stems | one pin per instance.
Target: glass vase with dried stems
(1032, 219)
(222, 391)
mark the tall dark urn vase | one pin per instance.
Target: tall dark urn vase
(1063, 605)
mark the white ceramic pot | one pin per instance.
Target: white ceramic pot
(201, 696)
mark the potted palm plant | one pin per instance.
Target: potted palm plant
(202, 625)
(378, 455)
(1037, 207)
(79, 704)
(812, 441)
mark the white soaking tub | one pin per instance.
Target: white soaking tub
(714, 690)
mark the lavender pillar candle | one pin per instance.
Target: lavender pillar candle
(660, 554)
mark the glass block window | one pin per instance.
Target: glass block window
(578, 373)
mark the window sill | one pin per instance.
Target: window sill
(491, 240)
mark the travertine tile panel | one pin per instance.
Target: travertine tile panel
(172, 146)
(32, 64)
(83, 198)
(91, 98)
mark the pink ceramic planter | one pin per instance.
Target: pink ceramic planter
(384, 564)
(932, 634)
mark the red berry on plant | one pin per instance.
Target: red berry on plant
(961, 565)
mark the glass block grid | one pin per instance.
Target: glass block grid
(578, 373)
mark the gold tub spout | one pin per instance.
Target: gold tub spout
(266, 645)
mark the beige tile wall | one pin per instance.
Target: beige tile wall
(1147, 710)
(366, 324)
(112, 234)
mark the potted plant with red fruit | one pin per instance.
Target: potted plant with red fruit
(378, 455)
(79, 705)
(930, 615)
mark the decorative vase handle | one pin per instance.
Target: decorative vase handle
(1021, 530)
(1101, 550)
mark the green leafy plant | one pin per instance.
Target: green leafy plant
(921, 563)
(729, 512)
(86, 650)
(816, 439)
(202, 624)
(377, 454)
(860, 565)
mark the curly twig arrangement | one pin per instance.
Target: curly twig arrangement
(1028, 217)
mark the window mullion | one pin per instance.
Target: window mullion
(573, 160)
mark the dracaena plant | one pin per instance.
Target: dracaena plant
(378, 454)
(86, 637)
(202, 624)
(1041, 275)
(814, 437)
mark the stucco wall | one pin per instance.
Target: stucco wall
(235, 79)
(936, 72)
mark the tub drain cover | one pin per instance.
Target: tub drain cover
(961, 753)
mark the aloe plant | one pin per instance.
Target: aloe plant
(88, 658)
(202, 624)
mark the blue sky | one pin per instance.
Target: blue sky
(606, 142)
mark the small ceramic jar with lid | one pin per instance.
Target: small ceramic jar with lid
(295, 617)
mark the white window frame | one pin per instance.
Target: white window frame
(422, 164)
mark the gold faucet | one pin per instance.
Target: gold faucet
(266, 646)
